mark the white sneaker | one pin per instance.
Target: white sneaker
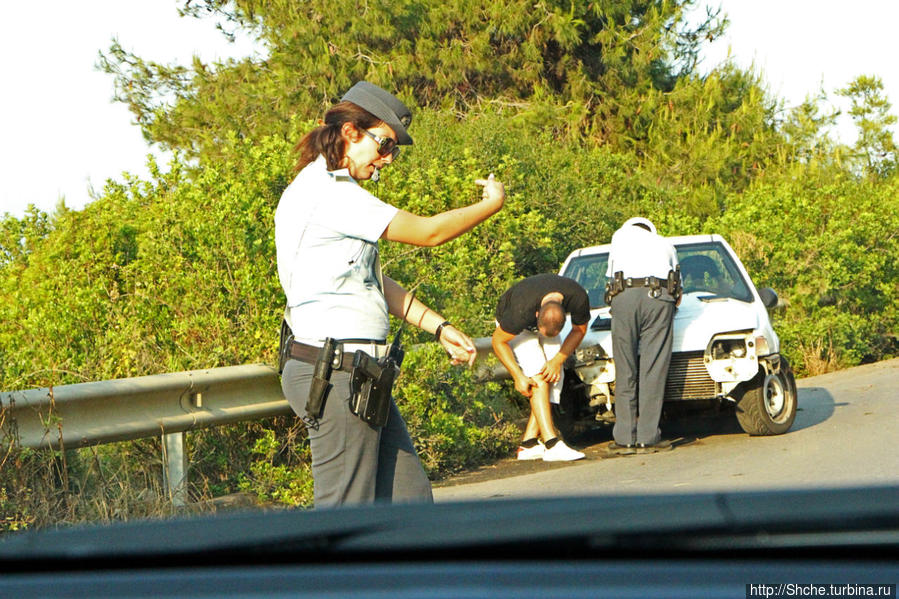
(531, 453)
(561, 453)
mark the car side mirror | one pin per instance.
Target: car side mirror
(769, 297)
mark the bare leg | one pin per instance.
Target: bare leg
(532, 431)
(540, 410)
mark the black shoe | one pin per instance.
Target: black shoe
(617, 449)
(655, 447)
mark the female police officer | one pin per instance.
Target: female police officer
(326, 232)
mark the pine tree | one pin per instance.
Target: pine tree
(575, 65)
(875, 146)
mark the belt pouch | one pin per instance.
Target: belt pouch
(321, 380)
(284, 345)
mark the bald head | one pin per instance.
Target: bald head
(550, 319)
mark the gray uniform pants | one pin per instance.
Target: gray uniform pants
(644, 322)
(353, 461)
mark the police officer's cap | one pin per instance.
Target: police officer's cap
(383, 105)
(639, 220)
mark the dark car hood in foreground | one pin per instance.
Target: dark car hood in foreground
(568, 527)
(620, 547)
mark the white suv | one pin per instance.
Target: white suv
(725, 350)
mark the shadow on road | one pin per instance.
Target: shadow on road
(816, 405)
(681, 429)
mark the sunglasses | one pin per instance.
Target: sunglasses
(386, 145)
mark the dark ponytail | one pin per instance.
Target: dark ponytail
(326, 139)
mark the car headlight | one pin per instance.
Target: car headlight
(761, 346)
(732, 357)
(723, 349)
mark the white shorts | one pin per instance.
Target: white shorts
(533, 351)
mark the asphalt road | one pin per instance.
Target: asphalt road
(845, 434)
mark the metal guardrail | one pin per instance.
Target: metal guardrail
(84, 414)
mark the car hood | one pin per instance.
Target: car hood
(695, 322)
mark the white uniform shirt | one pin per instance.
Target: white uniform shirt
(326, 234)
(639, 253)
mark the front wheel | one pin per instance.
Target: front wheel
(767, 405)
(565, 413)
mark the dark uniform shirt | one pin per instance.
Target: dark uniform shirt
(518, 306)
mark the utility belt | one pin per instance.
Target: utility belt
(619, 283)
(371, 381)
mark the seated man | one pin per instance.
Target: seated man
(530, 316)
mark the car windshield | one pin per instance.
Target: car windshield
(706, 268)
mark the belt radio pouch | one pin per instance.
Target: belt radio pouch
(614, 286)
(321, 380)
(674, 283)
(284, 345)
(370, 387)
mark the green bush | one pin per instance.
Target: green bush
(830, 251)
(281, 473)
(454, 421)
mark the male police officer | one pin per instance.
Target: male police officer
(643, 293)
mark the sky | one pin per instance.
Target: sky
(60, 132)
(61, 135)
(803, 46)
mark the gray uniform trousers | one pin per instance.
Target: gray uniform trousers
(644, 322)
(353, 461)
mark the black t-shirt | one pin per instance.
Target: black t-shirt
(518, 306)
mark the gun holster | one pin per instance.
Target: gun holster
(371, 385)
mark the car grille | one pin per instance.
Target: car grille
(688, 378)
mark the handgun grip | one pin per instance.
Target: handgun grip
(363, 361)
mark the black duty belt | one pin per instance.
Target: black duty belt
(619, 283)
(309, 354)
(645, 282)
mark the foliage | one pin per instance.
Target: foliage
(152, 277)
(281, 472)
(805, 131)
(875, 147)
(829, 248)
(100, 484)
(602, 69)
(18, 237)
(455, 421)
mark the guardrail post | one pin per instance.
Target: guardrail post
(175, 468)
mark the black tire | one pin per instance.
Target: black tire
(564, 420)
(571, 402)
(767, 405)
